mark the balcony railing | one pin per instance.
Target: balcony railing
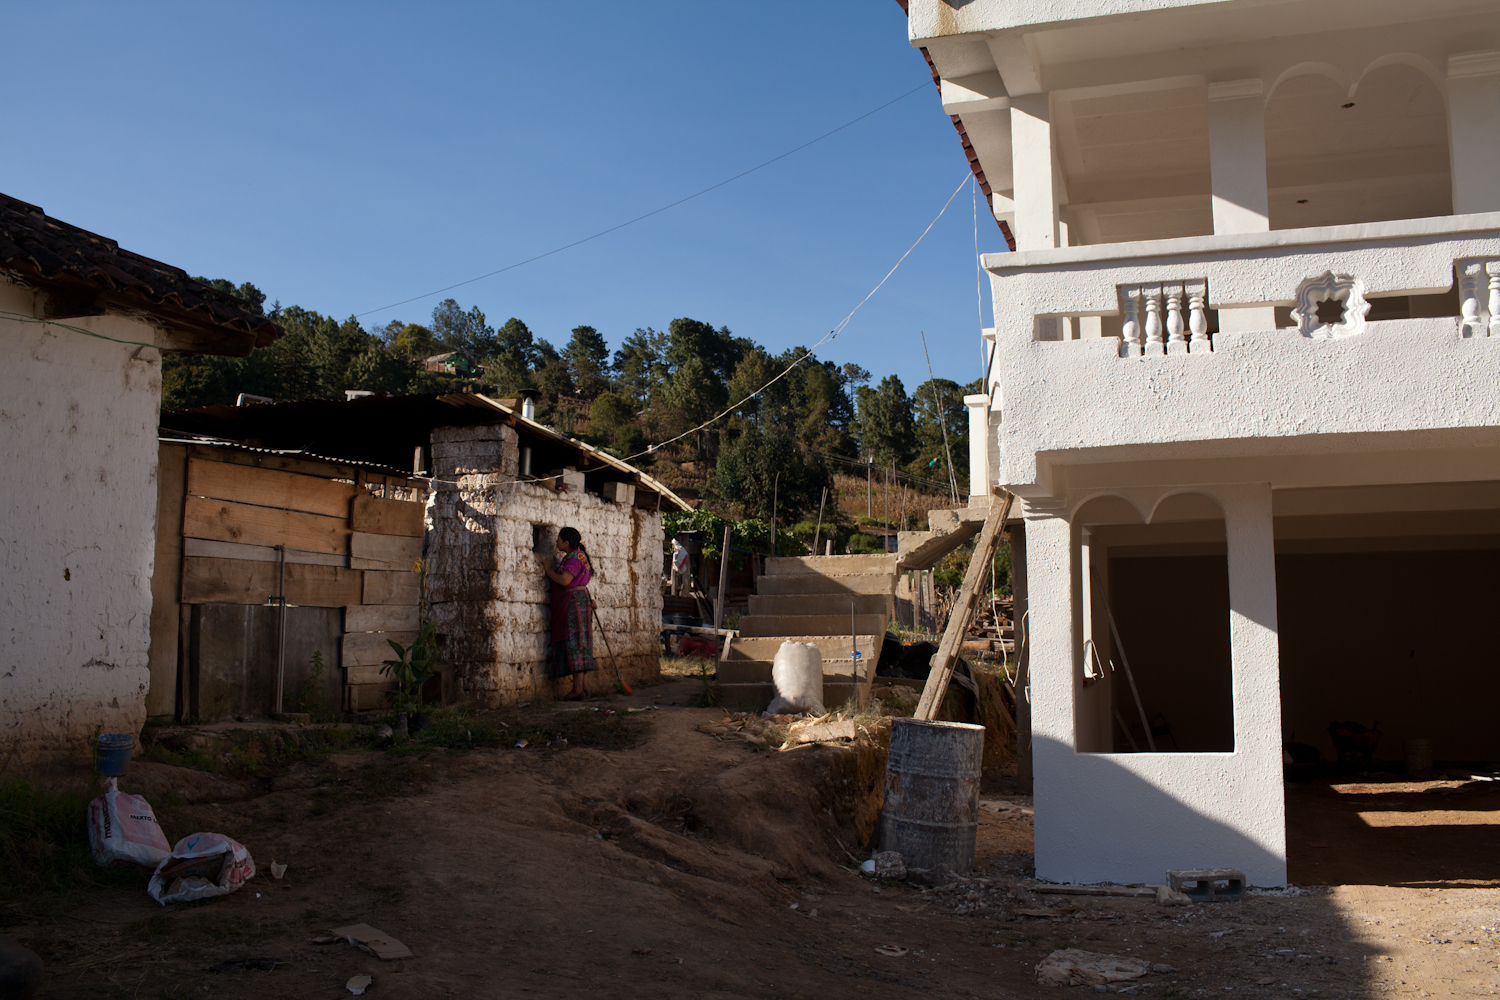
(1155, 296)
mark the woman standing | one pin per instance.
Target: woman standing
(572, 651)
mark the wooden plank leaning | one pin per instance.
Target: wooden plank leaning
(963, 608)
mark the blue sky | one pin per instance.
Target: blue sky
(345, 156)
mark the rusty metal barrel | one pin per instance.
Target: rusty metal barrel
(931, 811)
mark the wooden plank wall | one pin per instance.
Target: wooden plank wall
(353, 541)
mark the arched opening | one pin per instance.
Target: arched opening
(1381, 152)
(1154, 671)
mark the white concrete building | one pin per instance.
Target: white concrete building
(1244, 381)
(83, 325)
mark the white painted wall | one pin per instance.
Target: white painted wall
(78, 419)
(1132, 817)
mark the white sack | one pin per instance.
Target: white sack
(228, 866)
(797, 673)
(122, 827)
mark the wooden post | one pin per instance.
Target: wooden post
(723, 589)
(963, 608)
(1019, 624)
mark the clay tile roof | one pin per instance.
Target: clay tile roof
(45, 253)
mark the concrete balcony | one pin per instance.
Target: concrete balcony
(1183, 346)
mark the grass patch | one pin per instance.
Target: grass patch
(241, 753)
(44, 843)
(464, 727)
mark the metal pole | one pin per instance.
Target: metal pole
(818, 535)
(775, 489)
(281, 630)
(889, 473)
(869, 486)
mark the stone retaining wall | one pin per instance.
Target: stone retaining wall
(489, 597)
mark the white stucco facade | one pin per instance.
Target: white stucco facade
(77, 526)
(1253, 317)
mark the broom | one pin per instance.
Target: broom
(619, 674)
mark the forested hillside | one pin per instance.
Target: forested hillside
(779, 447)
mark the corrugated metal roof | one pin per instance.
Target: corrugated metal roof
(383, 431)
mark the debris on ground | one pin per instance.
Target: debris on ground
(277, 870)
(1168, 896)
(892, 950)
(358, 984)
(889, 865)
(376, 942)
(1074, 967)
(202, 865)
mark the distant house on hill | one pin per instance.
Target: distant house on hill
(453, 363)
(83, 325)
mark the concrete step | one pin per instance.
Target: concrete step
(830, 565)
(822, 604)
(755, 697)
(759, 671)
(830, 647)
(816, 583)
(796, 626)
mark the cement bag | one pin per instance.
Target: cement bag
(200, 866)
(122, 827)
(797, 673)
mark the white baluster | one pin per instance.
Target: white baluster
(1155, 345)
(1130, 330)
(1197, 293)
(1492, 268)
(1176, 342)
(1470, 324)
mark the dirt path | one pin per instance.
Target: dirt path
(688, 867)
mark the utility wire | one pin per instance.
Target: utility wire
(826, 338)
(658, 211)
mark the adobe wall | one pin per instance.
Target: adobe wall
(489, 598)
(77, 529)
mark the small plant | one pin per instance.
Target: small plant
(709, 696)
(413, 664)
(411, 669)
(308, 697)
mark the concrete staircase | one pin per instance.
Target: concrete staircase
(838, 603)
(947, 530)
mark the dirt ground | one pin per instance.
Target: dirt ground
(690, 867)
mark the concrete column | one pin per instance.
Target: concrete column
(1237, 156)
(1033, 175)
(1049, 671)
(1256, 663)
(979, 447)
(1237, 166)
(1474, 131)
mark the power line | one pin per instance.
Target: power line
(826, 338)
(658, 211)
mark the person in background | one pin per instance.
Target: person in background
(572, 652)
(679, 567)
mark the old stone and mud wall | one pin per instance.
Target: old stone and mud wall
(78, 437)
(489, 598)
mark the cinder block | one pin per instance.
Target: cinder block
(1209, 885)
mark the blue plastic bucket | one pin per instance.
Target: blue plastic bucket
(112, 753)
